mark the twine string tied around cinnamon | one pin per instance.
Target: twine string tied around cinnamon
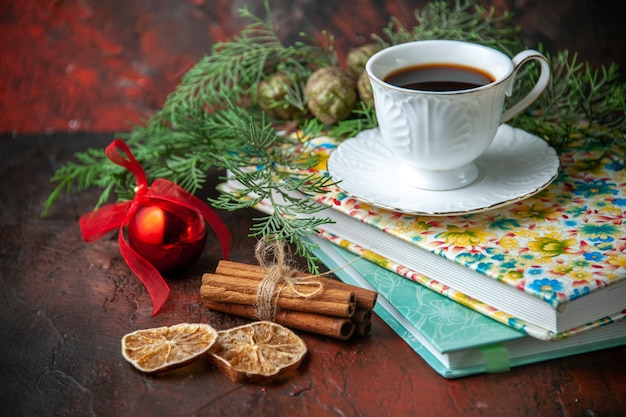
(280, 274)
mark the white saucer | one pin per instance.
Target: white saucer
(515, 166)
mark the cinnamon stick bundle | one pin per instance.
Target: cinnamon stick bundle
(365, 299)
(339, 310)
(337, 327)
(239, 290)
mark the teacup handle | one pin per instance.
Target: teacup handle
(541, 84)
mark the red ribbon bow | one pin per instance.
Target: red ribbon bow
(97, 223)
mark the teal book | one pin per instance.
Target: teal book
(454, 340)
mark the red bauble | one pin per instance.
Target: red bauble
(167, 235)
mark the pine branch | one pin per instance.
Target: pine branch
(234, 68)
(207, 123)
(466, 21)
(92, 170)
(267, 170)
(580, 107)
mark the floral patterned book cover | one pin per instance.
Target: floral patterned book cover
(558, 254)
(454, 340)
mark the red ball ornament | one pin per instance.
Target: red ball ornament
(165, 226)
(167, 235)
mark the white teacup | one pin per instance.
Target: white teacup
(437, 135)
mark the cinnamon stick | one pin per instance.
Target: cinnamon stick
(238, 290)
(339, 328)
(365, 299)
(363, 329)
(361, 315)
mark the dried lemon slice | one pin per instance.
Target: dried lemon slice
(259, 351)
(163, 348)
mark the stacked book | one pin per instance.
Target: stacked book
(539, 278)
(453, 339)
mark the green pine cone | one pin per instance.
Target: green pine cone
(357, 58)
(271, 94)
(331, 94)
(364, 87)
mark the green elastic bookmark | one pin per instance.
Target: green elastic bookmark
(496, 358)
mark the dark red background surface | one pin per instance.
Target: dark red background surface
(79, 67)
